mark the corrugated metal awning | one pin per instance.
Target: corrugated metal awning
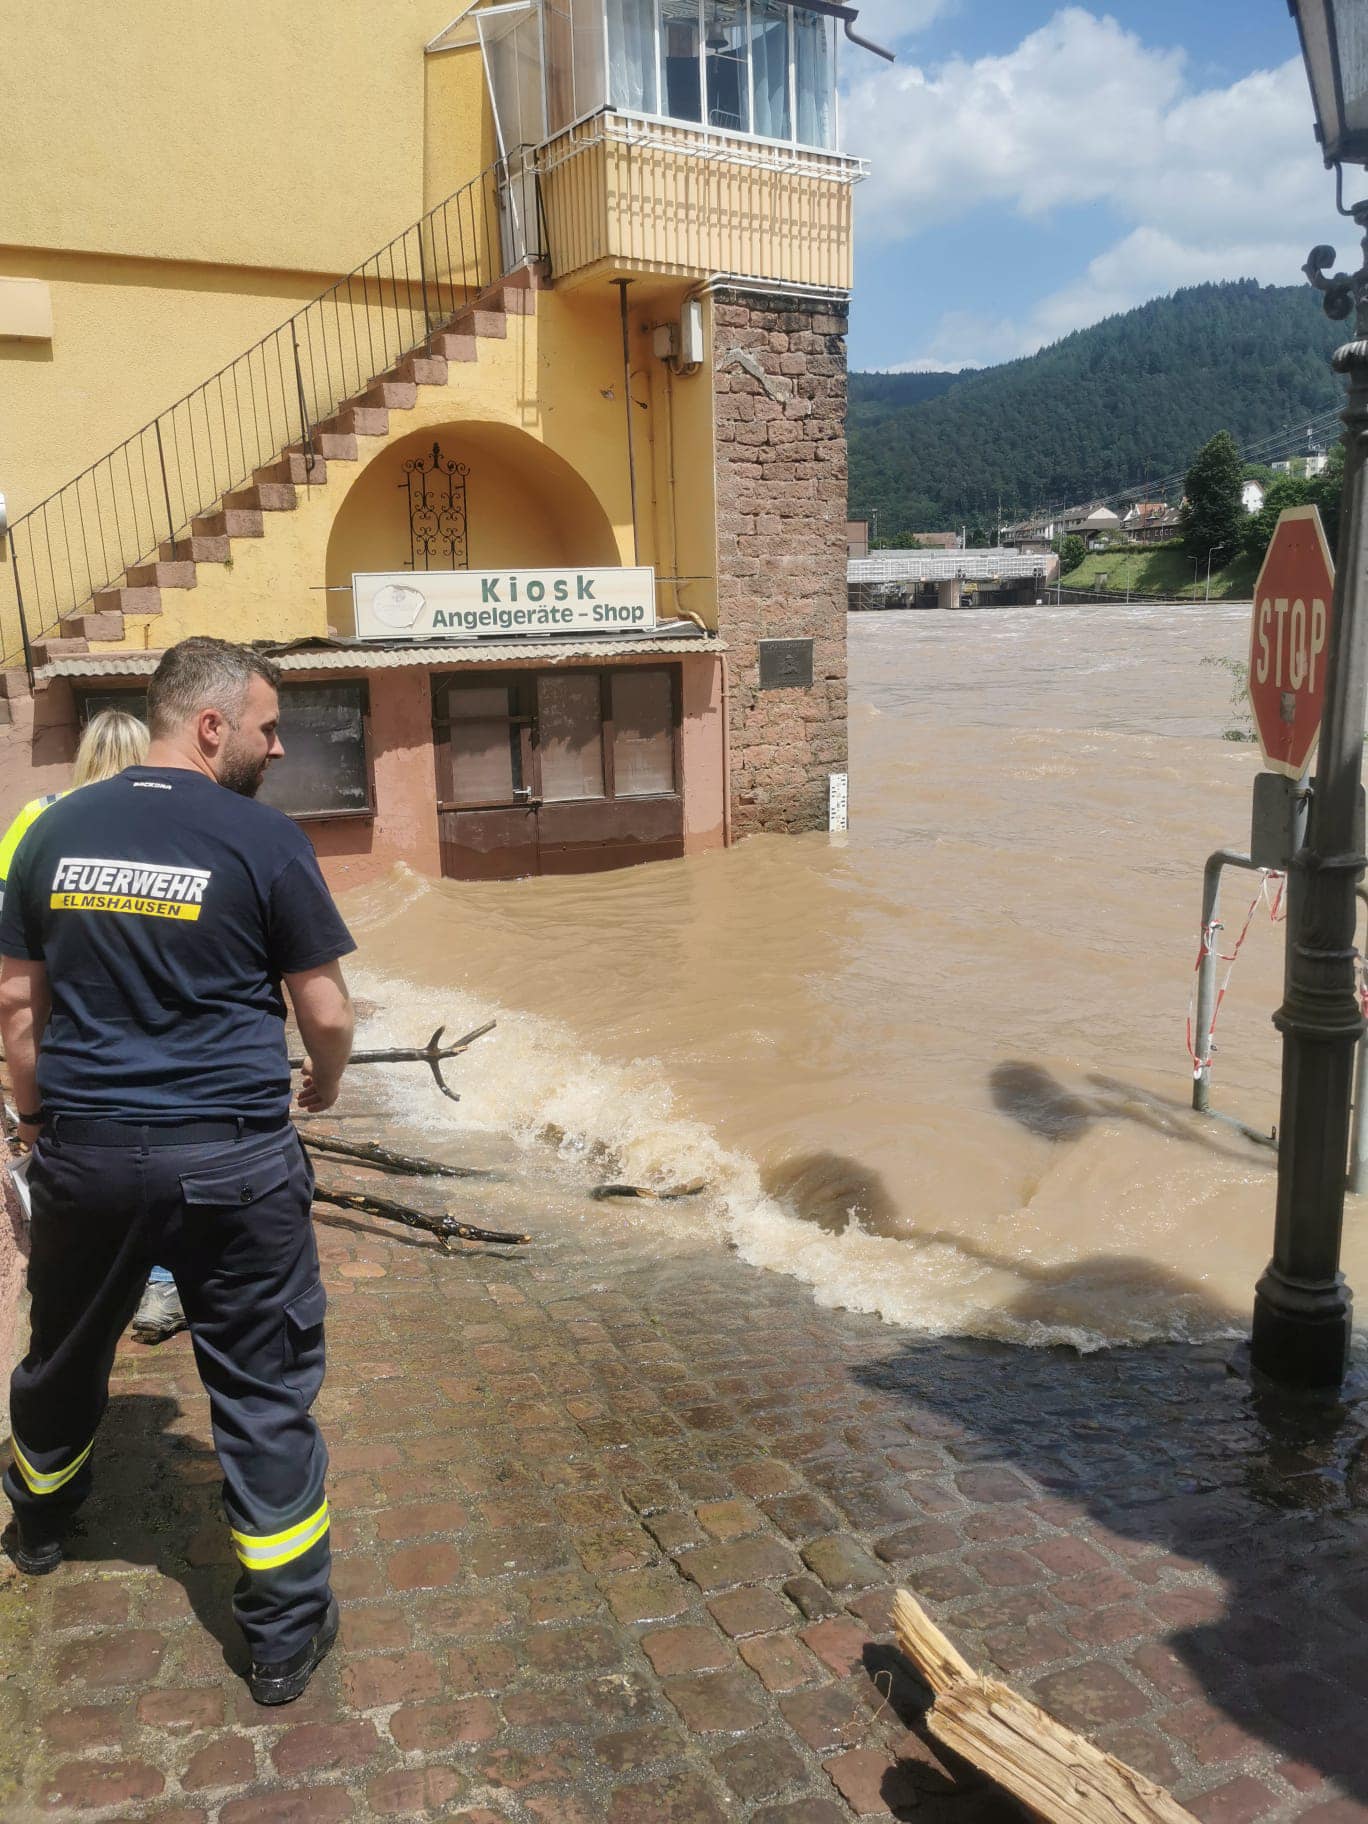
(411, 654)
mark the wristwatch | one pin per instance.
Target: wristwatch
(32, 1120)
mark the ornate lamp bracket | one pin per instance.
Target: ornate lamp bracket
(1345, 294)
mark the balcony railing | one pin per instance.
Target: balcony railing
(144, 495)
(664, 196)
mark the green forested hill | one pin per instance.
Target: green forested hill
(1129, 399)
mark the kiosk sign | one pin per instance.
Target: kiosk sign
(1289, 639)
(502, 604)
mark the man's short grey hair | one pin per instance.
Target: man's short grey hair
(203, 673)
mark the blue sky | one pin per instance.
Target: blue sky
(1036, 167)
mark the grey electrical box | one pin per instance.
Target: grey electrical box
(1278, 828)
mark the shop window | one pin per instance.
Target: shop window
(570, 729)
(483, 738)
(643, 733)
(90, 703)
(325, 771)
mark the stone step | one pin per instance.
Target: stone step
(419, 370)
(228, 522)
(14, 684)
(359, 421)
(126, 601)
(295, 467)
(478, 322)
(513, 298)
(6, 713)
(393, 395)
(44, 651)
(264, 497)
(331, 446)
(453, 346)
(179, 573)
(199, 548)
(100, 624)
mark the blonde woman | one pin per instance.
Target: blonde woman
(112, 740)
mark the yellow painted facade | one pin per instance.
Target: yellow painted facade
(198, 176)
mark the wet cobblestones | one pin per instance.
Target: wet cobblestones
(617, 1528)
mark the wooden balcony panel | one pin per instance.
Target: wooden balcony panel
(642, 197)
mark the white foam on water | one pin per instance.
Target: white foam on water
(532, 1078)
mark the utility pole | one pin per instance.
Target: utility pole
(1303, 1310)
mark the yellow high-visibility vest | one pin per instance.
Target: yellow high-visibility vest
(20, 828)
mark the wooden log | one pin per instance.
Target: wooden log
(447, 1229)
(1058, 1774)
(412, 1165)
(692, 1189)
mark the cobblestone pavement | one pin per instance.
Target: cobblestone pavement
(617, 1527)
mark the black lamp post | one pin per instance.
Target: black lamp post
(1303, 1310)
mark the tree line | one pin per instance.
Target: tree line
(1106, 408)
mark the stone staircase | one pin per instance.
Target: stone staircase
(243, 512)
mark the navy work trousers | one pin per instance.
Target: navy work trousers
(230, 1218)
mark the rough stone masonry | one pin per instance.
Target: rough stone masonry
(779, 390)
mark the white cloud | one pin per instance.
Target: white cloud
(1203, 184)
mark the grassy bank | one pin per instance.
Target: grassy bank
(1164, 570)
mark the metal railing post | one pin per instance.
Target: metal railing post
(19, 600)
(1206, 974)
(166, 486)
(305, 434)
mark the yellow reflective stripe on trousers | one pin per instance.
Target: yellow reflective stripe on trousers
(264, 1551)
(39, 1483)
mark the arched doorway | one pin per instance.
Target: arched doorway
(524, 507)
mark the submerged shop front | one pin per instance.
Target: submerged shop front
(486, 725)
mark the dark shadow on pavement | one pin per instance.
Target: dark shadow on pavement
(1171, 1464)
(155, 1501)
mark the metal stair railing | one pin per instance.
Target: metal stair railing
(143, 495)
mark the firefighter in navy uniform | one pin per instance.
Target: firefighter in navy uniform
(149, 925)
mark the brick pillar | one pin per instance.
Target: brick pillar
(781, 546)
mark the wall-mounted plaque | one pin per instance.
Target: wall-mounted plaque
(786, 664)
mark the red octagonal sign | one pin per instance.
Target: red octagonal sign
(1289, 640)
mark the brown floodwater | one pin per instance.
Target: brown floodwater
(935, 1066)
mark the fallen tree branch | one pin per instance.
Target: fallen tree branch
(413, 1165)
(447, 1229)
(675, 1191)
(433, 1054)
(1057, 1773)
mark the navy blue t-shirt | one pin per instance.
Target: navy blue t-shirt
(167, 909)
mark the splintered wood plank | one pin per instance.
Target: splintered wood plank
(1059, 1774)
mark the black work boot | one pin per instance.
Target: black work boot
(284, 1681)
(36, 1553)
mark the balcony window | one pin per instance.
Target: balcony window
(740, 66)
(769, 48)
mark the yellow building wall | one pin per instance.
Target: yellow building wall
(129, 338)
(243, 133)
(541, 422)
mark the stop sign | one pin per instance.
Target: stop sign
(1288, 640)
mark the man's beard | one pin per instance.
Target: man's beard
(243, 774)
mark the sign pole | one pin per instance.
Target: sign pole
(1302, 1307)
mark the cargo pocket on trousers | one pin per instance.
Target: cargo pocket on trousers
(303, 1364)
(233, 1186)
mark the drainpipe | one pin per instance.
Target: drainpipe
(622, 285)
(726, 753)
